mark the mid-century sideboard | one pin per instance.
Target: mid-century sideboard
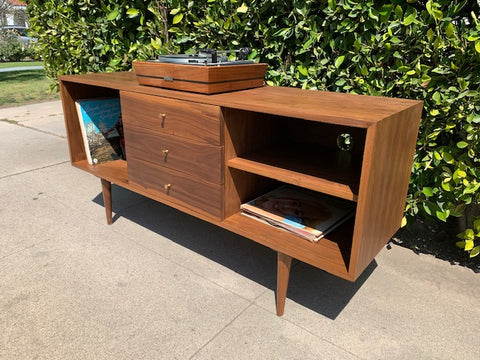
(207, 154)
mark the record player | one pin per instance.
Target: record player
(208, 72)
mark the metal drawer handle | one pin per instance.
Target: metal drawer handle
(167, 187)
(162, 116)
(165, 154)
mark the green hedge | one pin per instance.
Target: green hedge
(428, 50)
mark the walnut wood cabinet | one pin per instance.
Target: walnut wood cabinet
(207, 154)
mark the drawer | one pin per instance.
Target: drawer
(201, 160)
(191, 120)
(177, 185)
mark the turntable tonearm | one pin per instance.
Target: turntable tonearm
(209, 57)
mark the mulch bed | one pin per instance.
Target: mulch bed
(427, 238)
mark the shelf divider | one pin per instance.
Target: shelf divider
(301, 169)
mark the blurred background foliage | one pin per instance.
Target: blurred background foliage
(426, 50)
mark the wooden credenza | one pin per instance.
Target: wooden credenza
(207, 154)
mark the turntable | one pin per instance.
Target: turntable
(208, 72)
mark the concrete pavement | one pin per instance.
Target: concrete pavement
(22, 68)
(159, 284)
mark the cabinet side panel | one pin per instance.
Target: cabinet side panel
(74, 133)
(387, 164)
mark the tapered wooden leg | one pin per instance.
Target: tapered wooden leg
(284, 262)
(107, 199)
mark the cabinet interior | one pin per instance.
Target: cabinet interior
(295, 151)
(264, 151)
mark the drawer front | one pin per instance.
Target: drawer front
(177, 185)
(201, 160)
(190, 120)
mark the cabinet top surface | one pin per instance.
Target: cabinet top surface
(336, 108)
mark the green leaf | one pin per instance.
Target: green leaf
(469, 244)
(442, 215)
(339, 61)
(302, 70)
(460, 244)
(435, 13)
(175, 11)
(385, 10)
(430, 35)
(398, 12)
(450, 126)
(114, 62)
(426, 207)
(477, 46)
(476, 225)
(177, 18)
(132, 12)
(427, 191)
(156, 43)
(428, 6)
(475, 251)
(242, 9)
(471, 188)
(332, 4)
(468, 235)
(410, 18)
(404, 222)
(462, 144)
(446, 186)
(112, 15)
(459, 174)
(449, 30)
(436, 97)
(448, 158)
(373, 14)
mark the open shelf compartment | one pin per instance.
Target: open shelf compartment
(314, 167)
(71, 92)
(295, 151)
(331, 252)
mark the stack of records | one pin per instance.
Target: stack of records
(306, 213)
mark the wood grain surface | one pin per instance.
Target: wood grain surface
(181, 118)
(251, 141)
(200, 160)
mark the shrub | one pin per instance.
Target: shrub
(10, 47)
(91, 36)
(427, 50)
(30, 52)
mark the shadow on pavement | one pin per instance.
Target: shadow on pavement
(311, 287)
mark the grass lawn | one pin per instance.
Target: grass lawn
(5, 65)
(23, 87)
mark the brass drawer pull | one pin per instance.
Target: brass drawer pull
(162, 116)
(165, 154)
(167, 187)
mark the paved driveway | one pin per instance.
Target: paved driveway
(159, 284)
